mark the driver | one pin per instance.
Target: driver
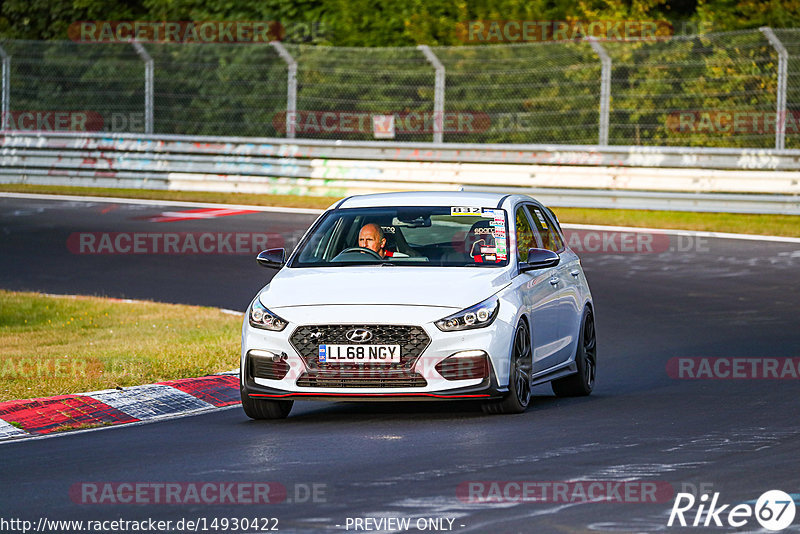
(371, 237)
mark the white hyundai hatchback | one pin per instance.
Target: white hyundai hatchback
(418, 296)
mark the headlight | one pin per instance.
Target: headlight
(477, 316)
(261, 317)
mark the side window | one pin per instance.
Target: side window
(546, 229)
(320, 245)
(556, 231)
(525, 237)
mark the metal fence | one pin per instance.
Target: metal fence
(734, 89)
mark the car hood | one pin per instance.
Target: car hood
(450, 287)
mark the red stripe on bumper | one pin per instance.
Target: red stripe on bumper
(478, 396)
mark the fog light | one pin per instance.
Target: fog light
(267, 364)
(466, 365)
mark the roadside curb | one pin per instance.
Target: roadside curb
(41, 416)
(63, 413)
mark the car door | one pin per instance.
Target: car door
(564, 280)
(539, 296)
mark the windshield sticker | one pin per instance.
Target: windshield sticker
(488, 212)
(465, 210)
(499, 226)
(488, 250)
(541, 218)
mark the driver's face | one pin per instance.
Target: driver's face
(368, 238)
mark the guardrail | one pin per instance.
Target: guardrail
(686, 179)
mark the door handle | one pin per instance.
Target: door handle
(554, 281)
(575, 273)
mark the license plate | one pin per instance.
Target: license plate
(359, 353)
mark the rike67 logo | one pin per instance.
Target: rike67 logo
(774, 510)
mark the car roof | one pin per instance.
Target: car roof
(427, 198)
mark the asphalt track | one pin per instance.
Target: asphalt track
(718, 298)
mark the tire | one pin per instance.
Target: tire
(265, 409)
(519, 395)
(581, 383)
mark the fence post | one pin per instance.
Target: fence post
(6, 89)
(605, 89)
(291, 89)
(438, 93)
(780, 111)
(148, 86)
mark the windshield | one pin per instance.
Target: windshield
(442, 236)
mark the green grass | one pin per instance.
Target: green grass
(782, 225)
(737, 223)
(290, 201)
(60, 345)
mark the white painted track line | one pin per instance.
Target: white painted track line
(277, 209)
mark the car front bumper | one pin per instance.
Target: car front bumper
(493, 340)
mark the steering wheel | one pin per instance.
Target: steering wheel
(362, 250)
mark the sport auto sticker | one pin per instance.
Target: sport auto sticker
(499, 226)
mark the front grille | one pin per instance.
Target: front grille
(412, 340)
(375, 378)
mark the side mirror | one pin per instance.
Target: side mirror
(274, 258)
(539, 258)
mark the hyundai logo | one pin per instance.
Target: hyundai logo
(358, 335)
